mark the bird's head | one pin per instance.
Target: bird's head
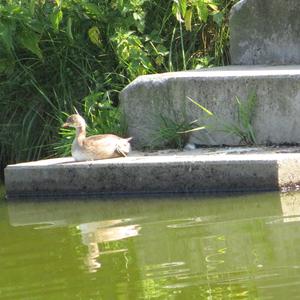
(75, 121)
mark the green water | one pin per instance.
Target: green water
(238, 247)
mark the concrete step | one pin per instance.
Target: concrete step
(198, 171)
(276, 120)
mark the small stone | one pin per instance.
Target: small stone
(189, 147)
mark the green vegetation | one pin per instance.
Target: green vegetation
(173, 132)
(61, 54)
(242, 124)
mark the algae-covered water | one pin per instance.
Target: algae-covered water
(197, 247)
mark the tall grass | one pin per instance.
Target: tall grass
(242, 124)
(57, 55)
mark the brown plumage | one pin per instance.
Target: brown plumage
(95, 147)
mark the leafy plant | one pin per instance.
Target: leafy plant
(207, 19)
(241, 126)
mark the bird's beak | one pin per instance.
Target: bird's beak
(65, 125)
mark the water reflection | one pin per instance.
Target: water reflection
(290, 205)
(240, 247)
(101, 232)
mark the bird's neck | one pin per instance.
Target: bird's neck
(80, 134)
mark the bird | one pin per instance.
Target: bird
(95, 147)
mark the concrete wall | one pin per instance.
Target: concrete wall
(198, 171)
(277, 112)
(265, 32)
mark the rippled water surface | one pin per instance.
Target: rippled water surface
(225, 247)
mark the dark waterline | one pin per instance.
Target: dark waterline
(208, 247)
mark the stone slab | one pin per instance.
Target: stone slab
(265, 32)
(276, 116)
(198, 171)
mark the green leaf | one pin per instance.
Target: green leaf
(194, 129)
(176, 11)
(93, 9)
(56, 18)
(137, 16)
(58, 2)
(218, 18)
(6, 36)
(188, 20)
(183, 6)
(212, 4)
(69, 28)
(94, 35)
(120, 4)
(32, 6)
(202, 10)
(6, 65)
(30, 41)
(202, 107)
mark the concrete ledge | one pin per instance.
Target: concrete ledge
(195, 171)
(150, 98)
(265, 32)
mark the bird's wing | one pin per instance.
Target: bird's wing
(103, 144)
(101, 139)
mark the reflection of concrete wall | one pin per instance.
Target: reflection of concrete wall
(86, 214)
(64, 213)
(290, 204)
(213, 244)
(99, 232)
(187, 244)
(216, 225)
(222, 246)
(283, 260)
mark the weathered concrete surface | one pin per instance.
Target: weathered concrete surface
(265, 32)
(276, 119)
(173, 172)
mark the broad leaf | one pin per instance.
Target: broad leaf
(94, 35)
(30, 41)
